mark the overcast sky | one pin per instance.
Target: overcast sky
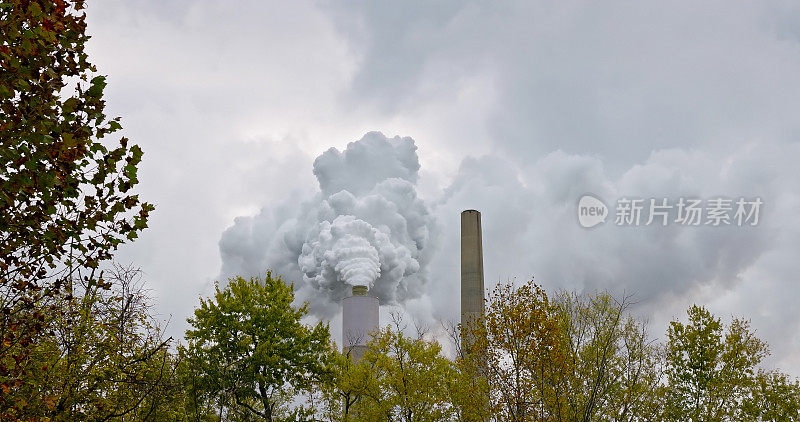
(515, 109)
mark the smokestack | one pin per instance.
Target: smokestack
(471, 269)
(359, 320)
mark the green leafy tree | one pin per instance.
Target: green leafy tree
(711, 371)
(199, 401)
(66, 200)
(249, 351)
(402, 378)
(469, 389)
(611, 367)
(350, 383)
(774, 397)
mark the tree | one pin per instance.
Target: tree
(575, 358)
(198, 401)
(774, 397)
(101, 357)
(611, 367)
(398, 378)
(350, 383)
(413, 375)
(710, 373)
(66, 200)
(250, 351)
(517, 349)
(469, 389)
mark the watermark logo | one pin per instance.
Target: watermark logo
(591, 211)
(663, 211)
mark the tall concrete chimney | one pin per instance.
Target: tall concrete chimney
(359, 320)
(471, 268)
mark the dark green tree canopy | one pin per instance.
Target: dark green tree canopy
(251, 348)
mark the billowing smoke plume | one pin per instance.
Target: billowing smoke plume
(343, 250)
(366, 227)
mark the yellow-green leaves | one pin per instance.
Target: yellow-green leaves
(711, 371)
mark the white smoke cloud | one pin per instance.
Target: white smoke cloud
(344, 250)
(352, 251)
(366, 227)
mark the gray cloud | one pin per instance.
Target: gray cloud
(616, 81)
(648, 99)
(531, 229)
(517, 109)
(217, 97)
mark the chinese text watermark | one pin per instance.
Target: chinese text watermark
(718, 211)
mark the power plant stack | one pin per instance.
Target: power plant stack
(359, 320)
(471, 272)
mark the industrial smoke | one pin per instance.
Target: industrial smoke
(352, 251)
(365, 227)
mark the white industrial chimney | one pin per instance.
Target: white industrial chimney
(359, 321)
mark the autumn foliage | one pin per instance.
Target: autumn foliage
(66, 196)
(78, 340)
